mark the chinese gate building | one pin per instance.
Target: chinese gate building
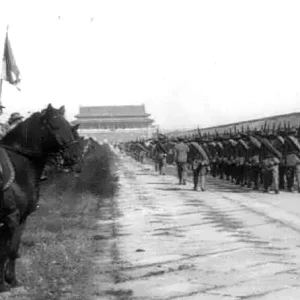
(115, 123)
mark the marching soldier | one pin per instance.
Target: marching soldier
(292, 151)
(200, 165)
(142, 156)
(181, 155)
(298, 176)
(271, 161)
(242, 149)
(254, 161)
(214, 163)
(279, 143)
(160, 158)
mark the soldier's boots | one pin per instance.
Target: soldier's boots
(196, 188)
(267, 191)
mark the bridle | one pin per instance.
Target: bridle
(33, 154)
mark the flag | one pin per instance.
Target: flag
(10, 70)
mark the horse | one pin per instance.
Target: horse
(58, 162)
(64, 163)
(26, 148)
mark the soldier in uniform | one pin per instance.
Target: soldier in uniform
(14, 120)
(270, 171)
(254, 162)
(3, 127)
(298, 176)
(279, 143)
(292, 152)
(142, 156)
(160, 158)
(214, 161)
(200, 167)
(10, 214)
(181, 153)
(241, 150)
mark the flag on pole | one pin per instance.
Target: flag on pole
(10, 70)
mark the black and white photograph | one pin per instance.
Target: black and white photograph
(150, 150)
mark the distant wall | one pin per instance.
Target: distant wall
(118, 135)
(292, 119)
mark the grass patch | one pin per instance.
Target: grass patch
(57, 245)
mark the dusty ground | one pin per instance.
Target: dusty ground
(165, 241)
(158, 240)
(62, 239)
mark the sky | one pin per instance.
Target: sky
(192, 63)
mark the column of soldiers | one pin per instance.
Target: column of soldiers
(266, 157)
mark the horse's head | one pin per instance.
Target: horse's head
(62, 136)
(78, 138)
(81, 143)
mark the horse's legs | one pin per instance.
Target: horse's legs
(3, 259)
(10, 272)
(3, 286)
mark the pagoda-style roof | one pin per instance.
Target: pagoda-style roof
(114, 120)
(112, 111)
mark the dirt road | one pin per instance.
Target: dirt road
(165, 241)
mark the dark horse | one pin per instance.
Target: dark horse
(27, 148)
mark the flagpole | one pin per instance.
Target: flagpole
(1, 79)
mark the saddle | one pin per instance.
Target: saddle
(6, 170)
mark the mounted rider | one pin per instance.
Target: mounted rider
(9, 212)
(3, 126)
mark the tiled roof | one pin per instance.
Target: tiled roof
(114, 120)
(116, 111)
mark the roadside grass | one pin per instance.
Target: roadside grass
(57, 243)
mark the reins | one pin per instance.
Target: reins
(27, 153)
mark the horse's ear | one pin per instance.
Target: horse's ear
(49, 107)
(75, 127)
(62, 110)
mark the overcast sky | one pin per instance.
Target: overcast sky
(190, 62)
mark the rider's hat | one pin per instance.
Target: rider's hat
(15, 117)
